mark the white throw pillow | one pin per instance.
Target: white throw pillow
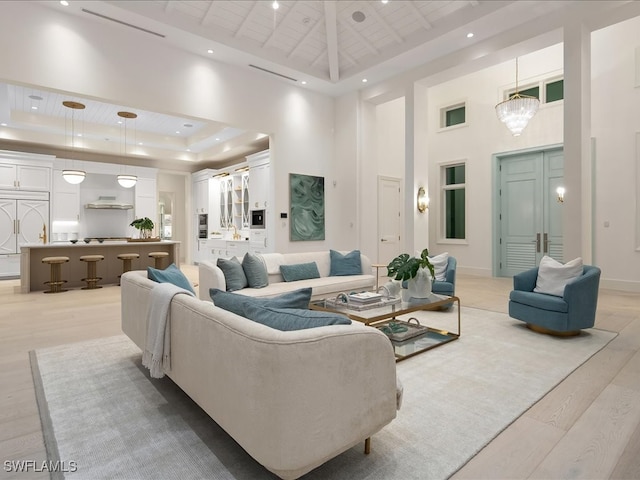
(440, 263)
(553, 276)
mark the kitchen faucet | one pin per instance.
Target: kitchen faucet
(43, 235)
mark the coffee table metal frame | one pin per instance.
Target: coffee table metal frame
(380, 317)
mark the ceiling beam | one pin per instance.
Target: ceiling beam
(331, 26)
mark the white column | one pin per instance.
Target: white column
(410, 188)
(577, 218)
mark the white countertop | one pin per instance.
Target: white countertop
(95, 243)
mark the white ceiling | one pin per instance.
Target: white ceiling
(331, 46)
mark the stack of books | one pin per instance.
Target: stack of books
(365, 298)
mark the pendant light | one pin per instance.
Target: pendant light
(516, 112)
(73, 176)
(126, 181)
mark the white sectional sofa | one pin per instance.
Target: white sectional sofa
(211, 276)
(291, 399)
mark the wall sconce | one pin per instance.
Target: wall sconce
(560, 193)
(422, 201)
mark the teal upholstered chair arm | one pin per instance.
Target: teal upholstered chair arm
(526, 281)
(450, 276)
(581, 295)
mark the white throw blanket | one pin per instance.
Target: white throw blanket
(157, 351)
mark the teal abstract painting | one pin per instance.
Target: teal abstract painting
(307, 207)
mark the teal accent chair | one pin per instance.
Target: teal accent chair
(565, 315)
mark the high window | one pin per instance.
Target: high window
(453, 192)
(453, 115)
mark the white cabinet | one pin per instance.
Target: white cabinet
(22, 221)
(25, 177)
(65, 200)
(258, 241)
(237, 249)
(201, 196)
(259, 193)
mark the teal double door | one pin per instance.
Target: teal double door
(530, 215)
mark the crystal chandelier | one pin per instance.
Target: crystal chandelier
(126, 181)
(516, 112)
(71, 175)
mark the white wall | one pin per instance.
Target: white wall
(483, 136)
(615, 103)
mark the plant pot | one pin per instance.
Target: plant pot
(420, 285)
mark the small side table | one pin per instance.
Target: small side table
(377, 266)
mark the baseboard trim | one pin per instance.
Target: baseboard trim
(622, 285)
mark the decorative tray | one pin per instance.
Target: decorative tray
(399, 331)
(341, 302)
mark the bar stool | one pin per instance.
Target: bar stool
(92, 278)
(126, 262)
(158, 256)
(55, 283)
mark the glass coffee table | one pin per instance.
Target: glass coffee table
(408, 337)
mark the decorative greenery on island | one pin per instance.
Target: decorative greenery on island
(405, 267)
(145, 225)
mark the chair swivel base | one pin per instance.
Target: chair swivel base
(555, 333)
(91, 283)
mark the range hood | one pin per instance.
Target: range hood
(109, 203)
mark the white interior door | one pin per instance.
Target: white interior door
(530, 216)
(389, 218)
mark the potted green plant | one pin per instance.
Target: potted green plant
(145, 225)
(413, 271)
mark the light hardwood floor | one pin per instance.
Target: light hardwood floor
(588, 427)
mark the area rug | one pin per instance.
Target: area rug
(103, 416)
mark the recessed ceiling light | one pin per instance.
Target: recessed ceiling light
(275, 5)
(384, 1)
(210, 51)
(217, 139)
(3, 124)
(178, 132)
(64, 3)
(364, 80)
(188, 149)
(304, 82)
(119, 122)
(470, 35)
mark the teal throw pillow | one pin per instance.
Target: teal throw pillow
(233, 273)
(342, 265)
(292, 318)
(255, 270)
(299, 271)
(234, 302)
(171, 274)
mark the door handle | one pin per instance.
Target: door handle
(17, 227)
(537, 240)
(546, 243)
(383, 240)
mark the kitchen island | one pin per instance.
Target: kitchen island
(33, 273)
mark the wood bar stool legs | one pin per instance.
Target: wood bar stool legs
(55, 282)
(92, 275)
(158, 256)
(126, 262)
